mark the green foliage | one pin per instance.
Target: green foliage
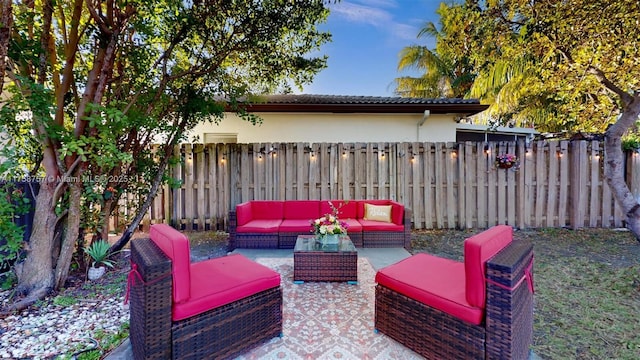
(106, 342)
(64, 301)
(536, 62)
(447, 73)
(8, 280)
(117, 78)
(631, 142)
(13, 204)
(99, 253)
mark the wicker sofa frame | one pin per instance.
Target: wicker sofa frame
(287, 240)
(505, 333)
(220, 333)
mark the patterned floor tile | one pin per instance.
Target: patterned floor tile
(328, 320)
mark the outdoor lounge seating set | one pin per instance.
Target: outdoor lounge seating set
(440, 308)
(276, 224)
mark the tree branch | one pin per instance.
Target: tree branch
(602, 78)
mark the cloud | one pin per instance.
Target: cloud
(376, 13)
(362, 14)
(380, 3)
(405, 31)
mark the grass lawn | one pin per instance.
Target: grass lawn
(587, 282)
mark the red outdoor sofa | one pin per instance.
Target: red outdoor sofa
(481, 308)
(277, 223)
(211, 309)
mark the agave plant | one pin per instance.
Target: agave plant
(99, 252)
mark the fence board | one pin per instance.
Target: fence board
(439, 192)
(563, 204)
(456, 152)
(450, 174)
(552, 186)
(482, 189)
(541, 181)
(594, 185)
(578, 176)
(492, 180)
(470, 182)
(521, 184)
(501, 175)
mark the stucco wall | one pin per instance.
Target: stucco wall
(297, 127)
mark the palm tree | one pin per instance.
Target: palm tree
(443, 76)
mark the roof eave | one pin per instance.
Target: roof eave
(465, 109)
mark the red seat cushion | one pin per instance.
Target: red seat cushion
(296, 225)
(260, 226)
(372, 225)
(223, 280)
(477, 250)
(434, 281)
(301, 210)
(176, 246)
(353, 225)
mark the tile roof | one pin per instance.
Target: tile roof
(362, 104)
(349, 99)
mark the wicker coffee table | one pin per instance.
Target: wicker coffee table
(313, 261)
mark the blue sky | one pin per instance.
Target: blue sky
(367, 37)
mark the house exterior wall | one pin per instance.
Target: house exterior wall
(334, 127)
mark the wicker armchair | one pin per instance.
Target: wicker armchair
(219, 309)
(443, 309)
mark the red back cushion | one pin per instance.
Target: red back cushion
(243, 213)
(301, 209)
(176, 246)
(267, 209)
(477, 250)
(347, 209)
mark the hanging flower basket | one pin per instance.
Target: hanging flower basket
(506, 161)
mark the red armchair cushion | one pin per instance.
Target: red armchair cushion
(296, 225)
(260, 226)
(223, 280)
(477, 250)
(176, 246)
(301, 209)
(267, 209)
(434, 281)
(397, 209)
(346, 209)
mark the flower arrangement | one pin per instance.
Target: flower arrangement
(506, 161)
(328, 224)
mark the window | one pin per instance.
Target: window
(223, 138)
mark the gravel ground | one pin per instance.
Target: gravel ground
(67, 322)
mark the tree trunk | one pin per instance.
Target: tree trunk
(157, 180)
(70, 235)
(35, 273)
(614, 165)
(6, 22)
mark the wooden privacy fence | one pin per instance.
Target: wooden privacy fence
(448, 185)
